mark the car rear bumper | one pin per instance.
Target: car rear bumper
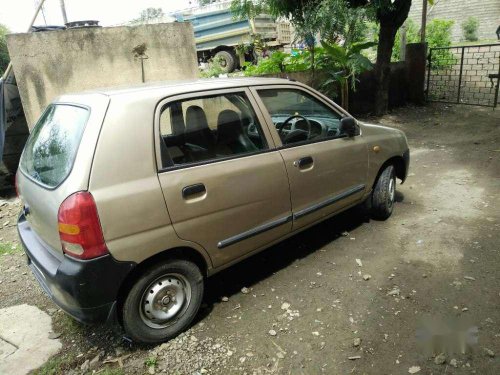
(85, 289)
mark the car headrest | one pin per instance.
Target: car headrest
(196, 119)
(229, 126)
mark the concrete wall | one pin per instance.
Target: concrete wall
(48, 64)
(486, 11)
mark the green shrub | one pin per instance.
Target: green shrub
(469, 29)
(214, 68)
(281, 62)
(439, 35)
(272, 64)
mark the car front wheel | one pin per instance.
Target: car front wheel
(163, 301)
(384, 194)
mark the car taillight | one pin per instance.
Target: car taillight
(79, 227)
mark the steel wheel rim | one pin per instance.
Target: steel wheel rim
(392, 191)
(165, 300)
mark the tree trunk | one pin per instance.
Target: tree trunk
(391, 14)
(383, 68)
(345, 95)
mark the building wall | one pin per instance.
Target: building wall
(48, 64)
(486, 11)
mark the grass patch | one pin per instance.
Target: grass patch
(150, 362)
(67, 325)
(59, 365)
(111, 371)
(54, 366)
(9, 248)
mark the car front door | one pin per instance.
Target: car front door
(224, 182)
(327, 170)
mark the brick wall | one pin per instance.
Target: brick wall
(486, 11)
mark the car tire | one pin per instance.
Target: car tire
(383, 195)
(163, 301)
(229, 61)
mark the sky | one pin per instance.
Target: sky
(17, 14)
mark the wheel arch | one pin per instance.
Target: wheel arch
(399, 165)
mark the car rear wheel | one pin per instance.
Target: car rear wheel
(163, 301)
(384, 194)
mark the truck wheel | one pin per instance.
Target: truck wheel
(227, 60)
(383, 194)
(163, 301)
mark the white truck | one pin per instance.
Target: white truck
(217, 33)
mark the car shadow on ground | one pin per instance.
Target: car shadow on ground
(260, 266)
(264, 264)
(399, 197)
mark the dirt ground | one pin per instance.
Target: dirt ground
(348, 296)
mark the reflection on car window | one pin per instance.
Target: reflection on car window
(51, 148)
(300, 117)
(209, 128)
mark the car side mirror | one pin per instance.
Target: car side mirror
(348, 126)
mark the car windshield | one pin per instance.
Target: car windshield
(51, 148)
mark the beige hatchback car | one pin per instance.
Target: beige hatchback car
(132, 197)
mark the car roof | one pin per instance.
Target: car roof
(175, 87)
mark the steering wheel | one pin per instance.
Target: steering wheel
(291, 134)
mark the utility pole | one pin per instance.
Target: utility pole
(424, 21)
(63, 10)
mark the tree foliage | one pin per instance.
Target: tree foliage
(4, 53)
(342, 23)
(336, 19)
(149, 15)
(247, 9)
(206, 2)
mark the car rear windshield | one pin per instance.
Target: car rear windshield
(51, 148)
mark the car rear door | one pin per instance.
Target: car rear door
(327, 172)
(223, 180)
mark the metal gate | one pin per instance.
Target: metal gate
(464, 74)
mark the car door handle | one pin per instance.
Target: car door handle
(191, 190)
(304, 162)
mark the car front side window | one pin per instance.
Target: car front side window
(300, 117)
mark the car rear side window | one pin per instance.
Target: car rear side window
(208, 128)
(51, 149)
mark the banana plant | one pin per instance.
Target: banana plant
(346, 63)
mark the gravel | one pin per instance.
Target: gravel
(186, 354)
